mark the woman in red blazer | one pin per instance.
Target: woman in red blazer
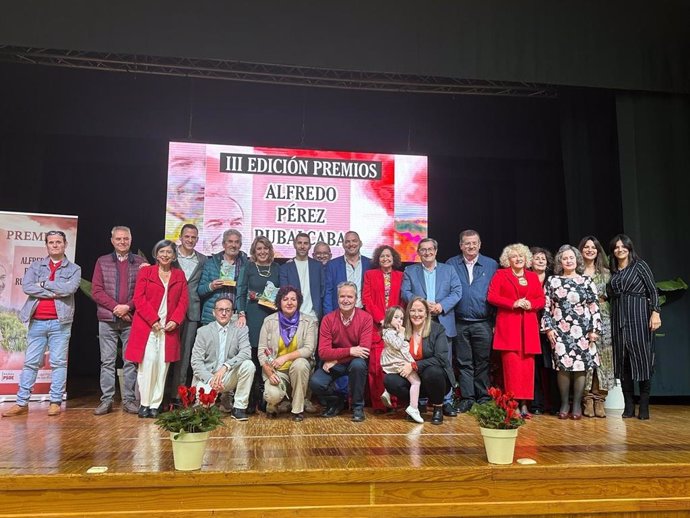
(160, 303)
(518, 295)
(380, 291)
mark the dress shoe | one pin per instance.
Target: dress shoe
(143, 411)
(16, 410)
(465, 406)
(130, 407)
(575, 417)
(358, 415)
(54, 409)
(309, 407)
(422, 408)
(153, 413)
(104, 408)
(563, 415)
(599, 410)
(334, 407)
(437, 416)
(298, 418)
(414, 414)
(239, 414)
(449, 410)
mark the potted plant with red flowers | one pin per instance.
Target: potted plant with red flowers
(190, 425)
(499, 420)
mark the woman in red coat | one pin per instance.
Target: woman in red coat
(160, 303)
(380, 291)
(518, 295)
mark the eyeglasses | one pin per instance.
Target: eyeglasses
(223, 310)
(426, 250)
(56, 233)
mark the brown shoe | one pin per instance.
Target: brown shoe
(588, 407)
(16, 410)
(599, 409)
(54, 409)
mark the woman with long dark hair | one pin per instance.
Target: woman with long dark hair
(600, 380)
(635, 316)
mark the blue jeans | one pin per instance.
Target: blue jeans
(44, 334)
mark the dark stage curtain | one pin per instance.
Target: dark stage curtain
(654, 148)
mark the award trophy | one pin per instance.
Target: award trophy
(268, 297)
(227, 274)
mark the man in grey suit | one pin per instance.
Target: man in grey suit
(222, 358)
(192, 264)
(440, 285)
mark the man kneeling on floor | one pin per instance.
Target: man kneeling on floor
(344, 343)
(222, 359)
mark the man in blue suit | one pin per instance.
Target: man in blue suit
(304, 273)
(349, 267)
(440, 285)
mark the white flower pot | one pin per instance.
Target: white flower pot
(499, 445)
(188, 450)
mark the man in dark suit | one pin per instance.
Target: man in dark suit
(350, 267)
(305, 273)
(192, 264)
(440, 285)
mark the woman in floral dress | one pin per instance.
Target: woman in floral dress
(572, 323)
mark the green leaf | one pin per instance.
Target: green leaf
(86, 288)
(672, 285)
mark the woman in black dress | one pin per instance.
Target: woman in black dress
(255, 302)
(634, 319)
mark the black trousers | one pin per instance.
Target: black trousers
(435, 385)
(473, 352)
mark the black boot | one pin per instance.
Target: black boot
(643, 412)
(628, 393)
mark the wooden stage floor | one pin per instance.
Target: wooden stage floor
(333, 467)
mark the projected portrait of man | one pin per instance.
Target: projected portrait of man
(186, 176)
(229, 215)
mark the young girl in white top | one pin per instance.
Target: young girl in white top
(395, 355)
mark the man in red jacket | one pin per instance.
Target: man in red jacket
(114, 277)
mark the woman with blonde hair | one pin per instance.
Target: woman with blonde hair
(257, 287)
(429, 349)
(517, 294)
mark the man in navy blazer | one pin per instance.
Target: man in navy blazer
(349, 267)
(440, 285)
(305, 273)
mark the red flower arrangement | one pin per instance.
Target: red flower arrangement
(500, 413)
(198, 412)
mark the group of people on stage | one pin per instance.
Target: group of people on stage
(352, 329)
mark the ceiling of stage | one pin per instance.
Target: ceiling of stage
(634, 45)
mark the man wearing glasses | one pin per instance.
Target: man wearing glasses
(440, 285)
(50, 284)
(222, 358)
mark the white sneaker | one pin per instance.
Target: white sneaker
(414, 414)
(386, 399)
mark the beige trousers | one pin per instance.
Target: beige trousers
(295, 381)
